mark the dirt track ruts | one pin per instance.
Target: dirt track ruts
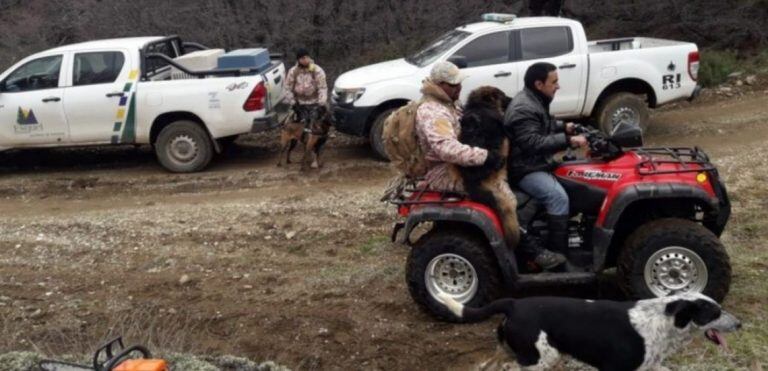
(245, 258)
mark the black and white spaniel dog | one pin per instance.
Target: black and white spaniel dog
(607, 335)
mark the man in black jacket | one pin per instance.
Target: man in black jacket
(535, 136)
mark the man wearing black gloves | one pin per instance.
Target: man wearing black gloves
(535, 136)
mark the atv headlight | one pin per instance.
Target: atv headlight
(702, 177)
(348, 96)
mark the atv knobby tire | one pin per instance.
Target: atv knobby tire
(671, 232)
(473, 249)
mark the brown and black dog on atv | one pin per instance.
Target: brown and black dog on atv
(308, 125)
(482, 126)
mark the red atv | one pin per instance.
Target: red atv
(655, 214)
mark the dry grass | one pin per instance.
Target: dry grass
(746, 239)
(149, 325)
(172, 338)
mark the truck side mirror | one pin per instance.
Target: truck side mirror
(459, 60)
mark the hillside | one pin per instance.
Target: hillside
(347, 33)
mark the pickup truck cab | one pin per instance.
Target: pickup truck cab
(137, 91)
(610, 81)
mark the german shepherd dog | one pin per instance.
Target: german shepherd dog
(309, 125)
(481, 126)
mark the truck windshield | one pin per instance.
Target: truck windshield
(437, 48)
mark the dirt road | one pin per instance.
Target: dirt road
(251, 259)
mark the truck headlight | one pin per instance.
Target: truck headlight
(348, 96)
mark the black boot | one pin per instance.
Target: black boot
(531, 248)
(548, 260)
(558, 234)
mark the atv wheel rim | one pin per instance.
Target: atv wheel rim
(625, 115)
(182, 149)
(452, 275)
(675, 270)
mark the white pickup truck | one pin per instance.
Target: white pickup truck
(609, 81)
(137, 91)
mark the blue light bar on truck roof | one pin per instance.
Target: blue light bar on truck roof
(499, 17)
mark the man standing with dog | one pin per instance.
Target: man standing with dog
(307, 92)
(306, 83)
(535, 137)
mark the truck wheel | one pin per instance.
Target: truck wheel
(670, 256)
(377, 144)
(184, 147)
(622, 107)
(454, 263)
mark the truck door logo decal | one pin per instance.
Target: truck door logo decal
(594, 175)
(124, 127)
(26, 117)
(26, 122)
(672, 81)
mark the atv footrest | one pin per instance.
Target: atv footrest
(546, 279)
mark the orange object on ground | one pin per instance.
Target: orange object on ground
(142, 365)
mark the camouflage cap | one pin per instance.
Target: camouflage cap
(446, 72)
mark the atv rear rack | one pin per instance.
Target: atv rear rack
(445, 197)
(405, 192)
(690, 160)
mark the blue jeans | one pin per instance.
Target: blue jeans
(543, 187)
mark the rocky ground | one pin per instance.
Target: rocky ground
(274, 264)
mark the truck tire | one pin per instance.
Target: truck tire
(456, 263)
(672, 255)
(377, 144)
(626, 107)
(184, 147)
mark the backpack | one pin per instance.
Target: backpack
(400, 141)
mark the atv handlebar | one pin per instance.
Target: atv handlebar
(599, 144)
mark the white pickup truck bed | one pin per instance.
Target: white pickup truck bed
(632, 43)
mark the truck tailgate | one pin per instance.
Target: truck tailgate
(275, 83)
(667, 67)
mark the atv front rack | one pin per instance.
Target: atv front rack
(689, 160)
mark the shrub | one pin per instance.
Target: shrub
(716, 65)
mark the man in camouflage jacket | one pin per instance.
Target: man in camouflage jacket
(437, 128)
(306, 83)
